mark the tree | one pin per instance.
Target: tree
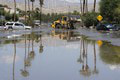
(41, 5)
(108, 9)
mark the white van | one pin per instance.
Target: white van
(15, 25)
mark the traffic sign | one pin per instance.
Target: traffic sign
(99, 18)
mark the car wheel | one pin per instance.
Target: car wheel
(10, 28)
(58, 26)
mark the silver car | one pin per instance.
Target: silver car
(15, 25)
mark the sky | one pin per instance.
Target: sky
(90, 1)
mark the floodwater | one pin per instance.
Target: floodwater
(57, 55)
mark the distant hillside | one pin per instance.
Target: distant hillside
(50, 5)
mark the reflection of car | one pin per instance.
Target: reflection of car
(16, 25)
(107, 27)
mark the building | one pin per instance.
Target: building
(5, 8)
(8, 9)
(12, 11)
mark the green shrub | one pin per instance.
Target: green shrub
(90, 19)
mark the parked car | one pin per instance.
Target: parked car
(15, 25)
(107, 27)
(116, 26)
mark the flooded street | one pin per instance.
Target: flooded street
(58, 55)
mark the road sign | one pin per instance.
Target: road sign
(99, 18)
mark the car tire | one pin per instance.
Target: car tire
(10, 28)
(58, 26)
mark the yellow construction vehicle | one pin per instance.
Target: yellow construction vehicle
(65, 22)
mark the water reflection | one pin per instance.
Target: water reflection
(24, 71)
(83, 59)
(89, 56)
(110, 54)
(14, 58)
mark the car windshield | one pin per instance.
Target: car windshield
(9, 23)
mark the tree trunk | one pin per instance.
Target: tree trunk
(40, 15)
(32, 14)
(94, 6)
(28, 5)
(84, 6)
(14, 10)
(81, 6)
(28, 12)
(25, 11)
(32, 6)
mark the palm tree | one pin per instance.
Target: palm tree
(32, 4)
(41, 5)
(14, 10)
(25, 10)
(86, 6)
(32, 11)
(28, 12)
(84, 1)
(81, 7)
(28, 5)
(94, 5)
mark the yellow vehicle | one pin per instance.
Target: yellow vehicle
(64, 22)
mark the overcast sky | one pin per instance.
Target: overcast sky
(90, 1)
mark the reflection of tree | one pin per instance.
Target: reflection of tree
(41, 46)
(95, 71)
(109, 53)
(14, 59)
(80, 59)
(31, 55)
(24, 72)
(85, 70)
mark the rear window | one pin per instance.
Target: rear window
(9, 24)
(17, 24)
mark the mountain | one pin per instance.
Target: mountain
(59, 6)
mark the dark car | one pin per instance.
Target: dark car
(116, 26)
(106, 27)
